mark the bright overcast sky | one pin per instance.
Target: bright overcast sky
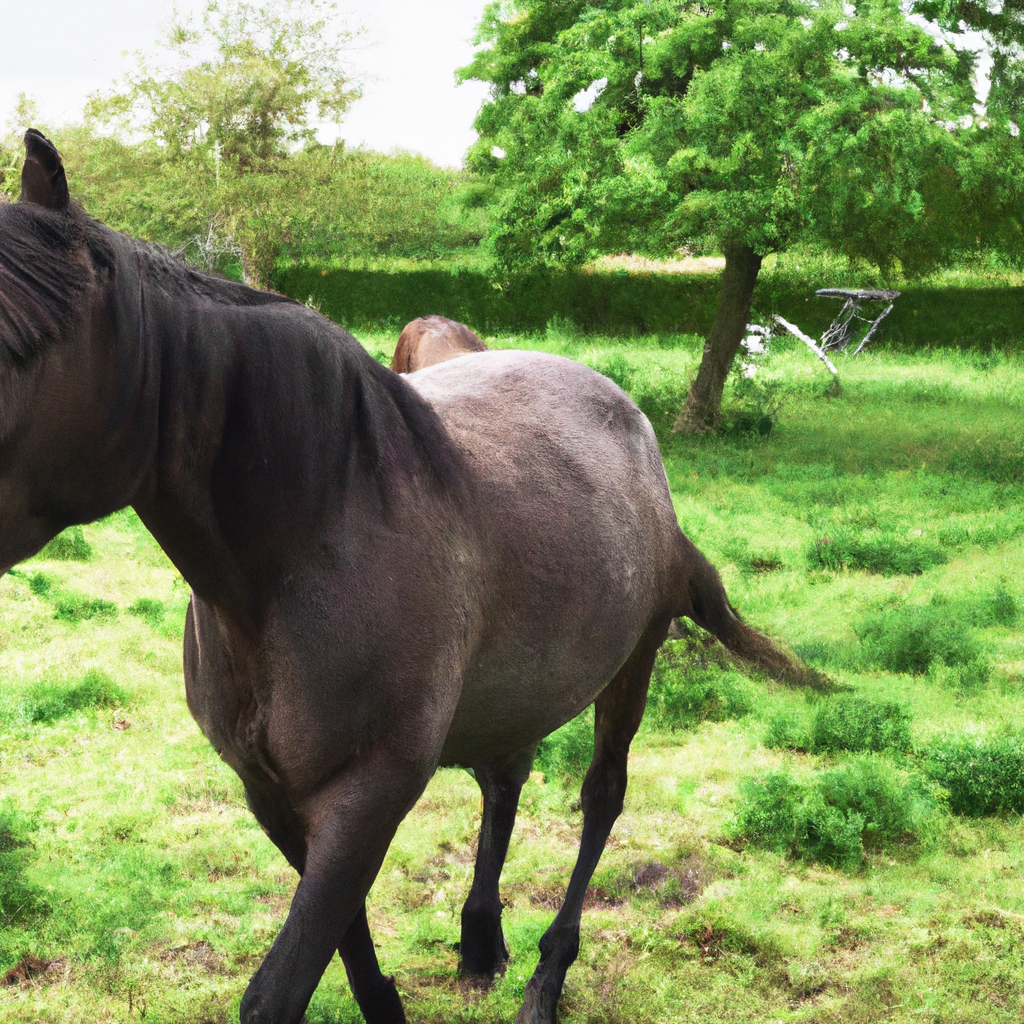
(59, 52)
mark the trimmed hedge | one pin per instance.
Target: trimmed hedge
(623, 303)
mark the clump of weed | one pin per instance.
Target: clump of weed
(19, 898)
(565, 755)
(693, 681)
(40, 584)
(74, 607)
(148, 609)
(914, 639)
(69, 546)
(833, 818)
(881, 552)
(855, 723)
(842, 722)
(47, 700)
(981, 776)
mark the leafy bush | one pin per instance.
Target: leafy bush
(981, 776)
(565, 755)
(19, 899)
(849, 722)
(788, 730)
(47, 701)
(863, 804)
(69, 546)
(911, 639)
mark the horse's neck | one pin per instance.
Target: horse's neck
(261, 435)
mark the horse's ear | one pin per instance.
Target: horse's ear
(42, 177)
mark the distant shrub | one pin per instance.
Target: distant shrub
(19, 899)
(981, 776)
(882, 553)
(566, 754)
(69, 546)
(833, 818)
(74, 607)
(149, 609)
(911, 639)
(48, 700)
(850, 722)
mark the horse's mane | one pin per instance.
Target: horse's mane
(48, 262)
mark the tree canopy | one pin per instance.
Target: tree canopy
(741, 126)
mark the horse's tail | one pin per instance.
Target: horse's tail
(701, 597)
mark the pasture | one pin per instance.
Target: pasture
(781, 857)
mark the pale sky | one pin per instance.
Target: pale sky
(59, 52)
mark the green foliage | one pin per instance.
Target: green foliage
(846, 546)
(19, 898)
(72, 606)
(630, 125)
(913, 639)
(51, 699)
(842, 722)
(693, 682)
(69, 546)
(851, 722)
(148, 609)
(981, 776)
(840, 812)
(566, 754)
(276, 69)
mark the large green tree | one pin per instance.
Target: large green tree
(741, 126)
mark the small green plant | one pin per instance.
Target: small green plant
(49, 700)
(981, 776)
(40, 584)
(74, 607)
(850, 722)
(788, 730)
(69, 546)
(148, 609)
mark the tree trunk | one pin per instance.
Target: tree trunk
(703, 404)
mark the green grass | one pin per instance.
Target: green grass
(881, 881)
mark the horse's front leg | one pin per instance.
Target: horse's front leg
(350, 824)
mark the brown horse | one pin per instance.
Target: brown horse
(388, 575)
(432, 339)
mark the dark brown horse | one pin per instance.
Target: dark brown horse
(432, 339)
(386, 577)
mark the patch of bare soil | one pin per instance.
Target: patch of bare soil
(32, 969)
(676, 886)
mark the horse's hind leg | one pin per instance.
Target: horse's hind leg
(618, 711)
(483, 950)
(374, 992)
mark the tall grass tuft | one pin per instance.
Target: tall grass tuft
(19, 898)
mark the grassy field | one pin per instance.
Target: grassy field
(850, 858)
